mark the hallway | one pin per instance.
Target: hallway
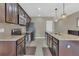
(39, 44)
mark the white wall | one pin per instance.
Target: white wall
(40, 25)
(69, 23)
(50, 26)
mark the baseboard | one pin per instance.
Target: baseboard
(39, 37)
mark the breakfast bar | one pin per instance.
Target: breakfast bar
(61, 44)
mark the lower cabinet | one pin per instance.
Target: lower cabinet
(55, 46)
(20, 47)
(62, 47)
(49, 39)
(18, 50)
(69, 48)
(12, 48)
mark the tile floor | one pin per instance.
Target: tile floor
(39, 44)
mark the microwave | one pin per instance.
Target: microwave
(16, 32)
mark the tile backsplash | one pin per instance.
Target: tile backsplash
(5, 28)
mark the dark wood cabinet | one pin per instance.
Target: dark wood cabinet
(23, 16)
(49, 39)
(68, 48)
(20, 47)
(11, 13)
(63, 47)
(55, 46)
(2, 12)
(12, 48)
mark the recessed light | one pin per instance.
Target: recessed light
(39, 8)
(56, 20)
(38, 15)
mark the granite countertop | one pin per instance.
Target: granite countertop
(6, 37)
(63, 36)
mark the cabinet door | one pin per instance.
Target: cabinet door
(55, 47)
(48, 42)
(2, 12)
(21, 47)
(46, 37)
(15, 13)
(19, 50)
(11, 12)
(22, 18)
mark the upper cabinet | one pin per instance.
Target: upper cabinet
(11, 13)
(2, 12)
(23, 17)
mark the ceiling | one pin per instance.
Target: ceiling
(48, 9)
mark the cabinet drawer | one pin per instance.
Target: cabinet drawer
(20, 40)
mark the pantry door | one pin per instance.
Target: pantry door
(49, 26)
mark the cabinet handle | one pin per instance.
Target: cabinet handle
(68, 46)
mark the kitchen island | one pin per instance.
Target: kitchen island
(61, 44)
(11, 45)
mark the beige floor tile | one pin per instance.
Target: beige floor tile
(39, 44)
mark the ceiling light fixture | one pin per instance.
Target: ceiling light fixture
(39, 8)
(56, 18)
(38, 15)
(64, 14)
